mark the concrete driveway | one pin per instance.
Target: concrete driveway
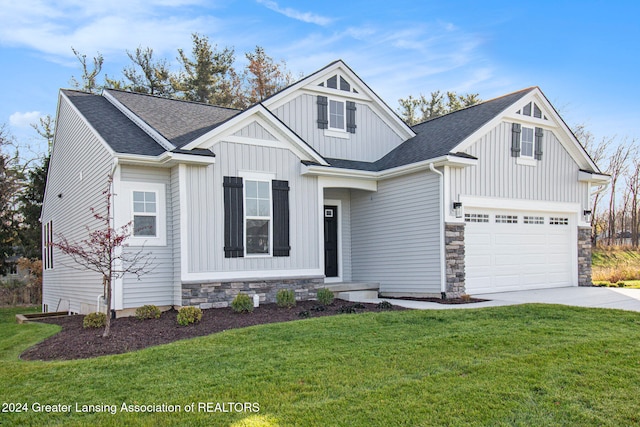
(619, 298)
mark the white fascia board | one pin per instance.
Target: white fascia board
(138, 121)
(166, 159)
(267, 120)
(596, 179)
(555, 122)
(452, 161)
(365, 94)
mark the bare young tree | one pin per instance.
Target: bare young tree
(88, 80)
(633, 187)
(102, 251)
(618, 165)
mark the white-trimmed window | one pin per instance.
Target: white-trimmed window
(336, 115)
(257, 202)
(476, 217)
(47, 245)
(143, 205)
(506, 219)
(145, 214)
(527, 142)
(534, 220)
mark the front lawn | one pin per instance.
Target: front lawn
(518, 365)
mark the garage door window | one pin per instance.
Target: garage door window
(506, 219)
(534, 220)
(476, 218)
(558, 221)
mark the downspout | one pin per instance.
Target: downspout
(443, 266)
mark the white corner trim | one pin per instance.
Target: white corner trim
(184, 219)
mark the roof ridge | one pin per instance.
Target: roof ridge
(172, 99)
(528, 89)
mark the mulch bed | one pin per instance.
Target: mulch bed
(129, 334)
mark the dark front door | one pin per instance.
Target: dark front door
(331, 241)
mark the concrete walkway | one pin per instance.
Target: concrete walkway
(619, 298)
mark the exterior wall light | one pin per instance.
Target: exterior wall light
(587, 215)
(457, 209)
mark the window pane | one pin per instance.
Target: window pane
(336, 114)
(138, 206)
(257, 236)
(138, 196)
(144, 225)
(251, 189)
(252, 207)
(263, 190)
(150, 207)
(527, 110)
(527, 142)
(263, 207)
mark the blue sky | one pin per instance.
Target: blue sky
(584, 55)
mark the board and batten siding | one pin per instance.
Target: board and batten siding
(175, 239)
(344, 216)
(205, 207)
(255, 131)
(554, 178)
(80, 165)
(157, 286)
(371, 141)
(395, 235)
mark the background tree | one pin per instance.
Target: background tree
(633, 188)
(417, 110)
(10, 186)
(617, 168)
(206, 77)
(102, 251)
(153, 76)
(264, 76)
(88, 82)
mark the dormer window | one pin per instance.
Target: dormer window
(336, 115)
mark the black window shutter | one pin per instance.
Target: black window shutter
(323, 117)
(515, 140)
(233, 218)
(351, 117)
(280, 191)
(538, 146)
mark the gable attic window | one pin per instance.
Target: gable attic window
(532, 110)
(336, 115)
(526, 143)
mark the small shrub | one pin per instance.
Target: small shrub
(325, 296)
(94, 320)
(347, 309)
(384, 305)
(147, 312)
(304, 314)
(318, 308)
(189, 315)
(465, 297)
(621, 284)
(286, 298)
(242, 303)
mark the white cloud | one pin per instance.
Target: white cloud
(289, 12)
(24, 120)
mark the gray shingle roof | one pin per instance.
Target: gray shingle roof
(122, 135)
(439, 136)
(178, 121)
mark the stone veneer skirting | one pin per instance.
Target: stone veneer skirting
(584, 256)
(220, 294)
(454, 258)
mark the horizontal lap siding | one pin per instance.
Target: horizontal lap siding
(371, 141)
(78, 172)
(206, 213)
(157, 286)
(554, 178)
(396, 235)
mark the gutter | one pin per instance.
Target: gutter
(441, 213)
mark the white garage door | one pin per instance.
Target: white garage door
(515, 250)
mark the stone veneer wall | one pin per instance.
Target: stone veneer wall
(220, 294)
(584, 256)
(454, 258)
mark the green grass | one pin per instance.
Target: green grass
(512, 366)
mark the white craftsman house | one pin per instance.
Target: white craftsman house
(320, 185)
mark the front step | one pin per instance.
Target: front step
(353, 296)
